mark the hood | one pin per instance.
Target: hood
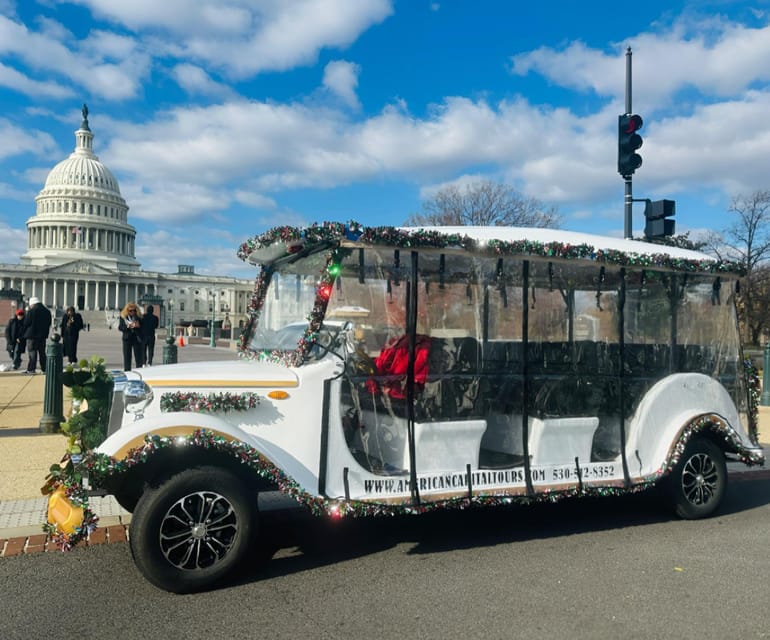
(236, 373)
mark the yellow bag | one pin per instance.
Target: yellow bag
(62, 513)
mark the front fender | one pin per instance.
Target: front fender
(167, 425)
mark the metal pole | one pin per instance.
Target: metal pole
(764, 399)
(212, 341)
(170, 328)
(627, 203)
(169, 351)
(53, 401)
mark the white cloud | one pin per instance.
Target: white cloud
(243, 37)
(20, 140)
(14, 241)
(341, 78)
(196, 81)
(715, 58)
(53, 51)
(17, 81)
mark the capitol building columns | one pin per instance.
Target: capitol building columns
(84, 293)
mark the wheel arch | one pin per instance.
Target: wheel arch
(128, 484)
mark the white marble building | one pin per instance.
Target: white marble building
(80, 252)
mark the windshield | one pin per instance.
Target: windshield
(286, 309)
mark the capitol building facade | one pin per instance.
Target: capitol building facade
(81, 253)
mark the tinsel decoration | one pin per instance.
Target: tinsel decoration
(211, 403)
(332, 233)
(599, 285)
(755, 394)
(100, 467)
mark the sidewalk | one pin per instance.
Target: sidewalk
(26, 455)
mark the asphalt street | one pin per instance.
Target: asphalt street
(579, 569)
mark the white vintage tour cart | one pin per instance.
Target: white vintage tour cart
(400, 370)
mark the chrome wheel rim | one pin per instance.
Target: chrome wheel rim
(198, 530)
(700, 479)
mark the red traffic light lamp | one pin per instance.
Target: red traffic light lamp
(628, 142)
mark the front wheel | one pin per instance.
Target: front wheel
(193, 529)
(698, 483)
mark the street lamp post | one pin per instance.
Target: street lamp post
(170, 328)
(212, 342)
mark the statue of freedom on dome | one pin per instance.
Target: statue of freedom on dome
(84, 124)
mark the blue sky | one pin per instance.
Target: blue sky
(223, 118)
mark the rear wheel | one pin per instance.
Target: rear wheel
(193, 529)
(698, 483)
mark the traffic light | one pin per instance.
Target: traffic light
(628, 142)
(656, 216)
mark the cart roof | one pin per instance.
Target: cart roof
(277, 243)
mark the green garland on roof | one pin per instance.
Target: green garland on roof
(333, 232)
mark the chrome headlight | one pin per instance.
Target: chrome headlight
(137, 395)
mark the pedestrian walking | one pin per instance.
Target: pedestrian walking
(70, 328)
(37, 326)
(130, 325)
(14, 338)
(149, 325)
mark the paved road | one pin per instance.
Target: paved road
(586, 568)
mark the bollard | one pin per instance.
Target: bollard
(169, 351)
(53, 399)
(764, 399)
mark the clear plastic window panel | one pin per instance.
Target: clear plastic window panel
(573, 360)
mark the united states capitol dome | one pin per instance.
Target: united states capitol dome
(81, 170)
(80, 213)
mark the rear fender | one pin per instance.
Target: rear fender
(675, 407)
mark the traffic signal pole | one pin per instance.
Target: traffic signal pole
(629, 193)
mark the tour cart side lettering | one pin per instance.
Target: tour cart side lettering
(484, 479)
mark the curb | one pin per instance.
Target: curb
(40, 543)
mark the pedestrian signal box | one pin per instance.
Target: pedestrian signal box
(657, 216)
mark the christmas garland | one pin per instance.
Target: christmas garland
(91, 389)
(99, 467)
(211, 403)
(333, 232)
(755, 393)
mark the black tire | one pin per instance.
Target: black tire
(698, 483)
(172, 539)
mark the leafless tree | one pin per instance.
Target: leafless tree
(484, 203)
(747, 240)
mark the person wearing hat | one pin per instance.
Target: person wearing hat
(37, 326)
(13, 337)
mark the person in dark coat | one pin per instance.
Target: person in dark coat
(14, 338)
(130, 325)
(70, 328)
(149, 325)
(37, 326)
